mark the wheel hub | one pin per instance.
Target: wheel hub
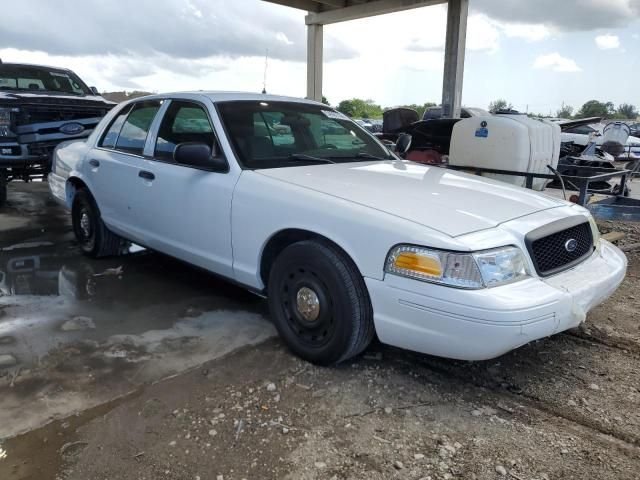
(308, 304)
(85, 224)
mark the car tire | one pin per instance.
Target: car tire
(93, 236)
(3, 188)
(319, 303)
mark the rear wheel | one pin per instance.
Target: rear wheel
(319, 303)
(93, 236)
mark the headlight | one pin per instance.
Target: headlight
(501, 266)
(5, 122)
(462, 270)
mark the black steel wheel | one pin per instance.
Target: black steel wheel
(93, 236)
(319, 302)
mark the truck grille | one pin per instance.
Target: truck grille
(560, 245)
(45, 113)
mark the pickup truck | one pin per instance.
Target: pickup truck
(344, 239)
(39, 108)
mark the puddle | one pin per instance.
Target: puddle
(75, 332)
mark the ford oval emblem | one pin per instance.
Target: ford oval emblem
(72, 128)
(571, 245)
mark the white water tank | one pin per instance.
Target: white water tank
(506, 142)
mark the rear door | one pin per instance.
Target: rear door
(185, 211)
(114, 167)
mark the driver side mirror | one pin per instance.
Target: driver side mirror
(94, 90)
(403, 144)
(200, 155)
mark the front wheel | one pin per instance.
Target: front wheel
(319, 303)
(3, 188)
(93, 236)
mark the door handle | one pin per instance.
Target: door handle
(94, 163)
(146, 175)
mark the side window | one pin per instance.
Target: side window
(30, 84)
(583, 129)
(133, 134)
(183, 122)
(111, 136)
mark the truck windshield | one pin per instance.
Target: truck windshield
(281, 134)
(26, 78)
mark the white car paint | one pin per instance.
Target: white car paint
(223, 221)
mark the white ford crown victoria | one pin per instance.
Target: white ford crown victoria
(291, 199)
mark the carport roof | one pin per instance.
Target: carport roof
(332, 11)
(319, 5)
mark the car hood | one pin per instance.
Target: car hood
(451, 202)
(49, 98)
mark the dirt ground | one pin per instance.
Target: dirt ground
(566, 407)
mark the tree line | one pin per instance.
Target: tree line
(592, 108)
(360, 108)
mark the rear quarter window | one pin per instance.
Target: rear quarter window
(110, 136)
(135, 128)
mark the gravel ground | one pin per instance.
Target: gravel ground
(566, 407)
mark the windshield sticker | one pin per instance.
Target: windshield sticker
(335, 115)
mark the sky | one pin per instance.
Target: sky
(536, 54)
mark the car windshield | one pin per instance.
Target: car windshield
(281, 134)
(40, 80)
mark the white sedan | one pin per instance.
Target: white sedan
(345, 239)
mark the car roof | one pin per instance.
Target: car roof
(225, 96)
(33, 65)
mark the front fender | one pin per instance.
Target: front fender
(263, 206)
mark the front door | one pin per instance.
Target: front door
(186, 210)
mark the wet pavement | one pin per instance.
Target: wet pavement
(77, 332)
(84, 333)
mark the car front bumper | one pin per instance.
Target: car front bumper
(483, 324)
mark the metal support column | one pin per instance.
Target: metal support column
(314, 62)
(457, 12)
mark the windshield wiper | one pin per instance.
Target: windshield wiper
(371, 156)
(366, 155)
(308, 158)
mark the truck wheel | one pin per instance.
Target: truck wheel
(93, 236)
(319, 303)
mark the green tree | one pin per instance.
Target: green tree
(325, 101)
(565, 111)
(595, 108)
(627, 111)
(500, 104)
(358, 108)
(420, 108)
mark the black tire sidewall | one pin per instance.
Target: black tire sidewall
(3, 188)
(84, 201)
(323, 262)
